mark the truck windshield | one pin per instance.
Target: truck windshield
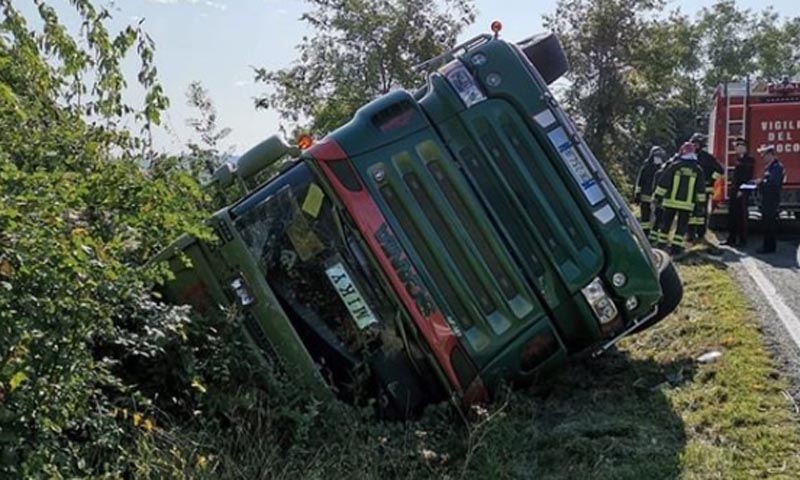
(313, 265)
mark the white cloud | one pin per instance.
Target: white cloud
(208, 3)
(241, 83)
(217, 5)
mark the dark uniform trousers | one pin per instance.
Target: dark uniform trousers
(643, 193)
(698, 223)
(646, 213)
(737, 212)
(737, 218)
(712, 170)
(770, 188)
(680, 192)
(769, 222)
(668, 216)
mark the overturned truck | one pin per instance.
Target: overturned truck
(442, 242)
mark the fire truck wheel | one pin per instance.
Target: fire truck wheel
(546, 54)
(671, 289)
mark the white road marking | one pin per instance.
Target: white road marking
(786, 315)
(797, 257)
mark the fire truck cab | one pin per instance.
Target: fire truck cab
(764, 114)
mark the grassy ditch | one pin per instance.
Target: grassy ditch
(651, 411)
(648, 410)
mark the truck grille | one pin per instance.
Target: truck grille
(512, 173)
(453, 239)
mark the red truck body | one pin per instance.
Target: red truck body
(764, 114)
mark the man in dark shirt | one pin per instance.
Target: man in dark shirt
(738, 197)
(770, 189)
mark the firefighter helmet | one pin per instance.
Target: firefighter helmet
(657, 150)
(687, 151)
(698, 139)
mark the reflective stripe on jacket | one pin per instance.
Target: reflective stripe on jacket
(681, 185)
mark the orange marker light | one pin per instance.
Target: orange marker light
(305, 141)
(496, 27)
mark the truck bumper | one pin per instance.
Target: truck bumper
(672, 293)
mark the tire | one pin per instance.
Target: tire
(671, 291)
(401, 393)
(546, 54)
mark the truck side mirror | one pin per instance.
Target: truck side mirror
(255, 160)
(545, 52)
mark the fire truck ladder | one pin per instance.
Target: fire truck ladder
(735, 124)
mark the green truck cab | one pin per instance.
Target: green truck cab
(441, 243)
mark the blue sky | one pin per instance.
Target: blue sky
(217, 42)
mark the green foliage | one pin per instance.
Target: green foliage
(737, 43)
(78, 216)
(640, 76)
(625, 64)
(360, 49)
(204, 156)
(99, 379)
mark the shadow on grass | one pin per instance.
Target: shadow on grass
(607, 418)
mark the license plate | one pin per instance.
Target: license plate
(350, 295)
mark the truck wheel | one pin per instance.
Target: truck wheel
(546, 54)
(671, 288)
(401, 393)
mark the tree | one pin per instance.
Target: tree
(777, 43)
(77, 217)
(626, 63)
(640, 76)
(728, 49)
(738, 43)
(205, 156)
(360, 49)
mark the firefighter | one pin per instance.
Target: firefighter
(770, 189)
(738, 197)
(643, 193)
(681, 187)
(712, 170)
(656, 206)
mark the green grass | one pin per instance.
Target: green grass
(646, 411)
(651, 411)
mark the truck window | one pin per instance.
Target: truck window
(293, 231)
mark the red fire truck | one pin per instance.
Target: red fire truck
(764, 114)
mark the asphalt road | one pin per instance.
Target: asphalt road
(772, 284)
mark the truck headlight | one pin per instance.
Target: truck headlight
(602, 305)
(631, 303)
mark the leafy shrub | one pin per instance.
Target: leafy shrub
(99, 378)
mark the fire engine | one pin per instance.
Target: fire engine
(765, 114)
